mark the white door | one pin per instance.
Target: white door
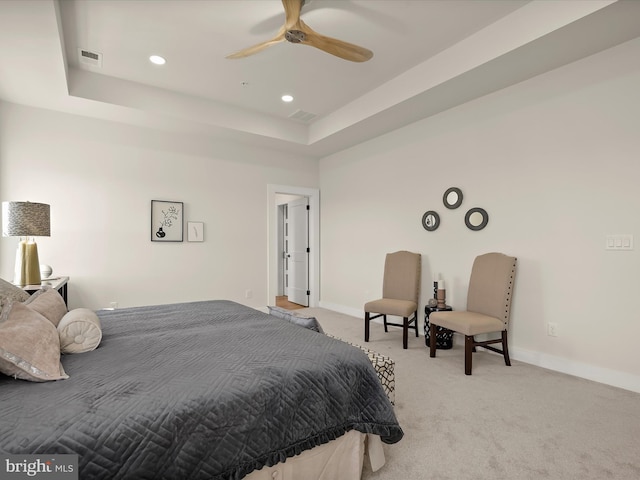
(298, 251)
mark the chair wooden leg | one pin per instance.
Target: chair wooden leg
(468, 353)
(367, 319)
(432, 340)
(405, 332)
(415, 323)
(505, 349)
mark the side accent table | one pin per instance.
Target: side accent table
(57, 283)
(444, 337)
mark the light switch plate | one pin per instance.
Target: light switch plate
(619, 242)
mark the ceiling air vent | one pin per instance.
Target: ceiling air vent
(302, 116)
(88, 57)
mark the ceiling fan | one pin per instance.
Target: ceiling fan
(295, 30)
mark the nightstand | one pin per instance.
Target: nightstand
(444, 337)
(58, 283)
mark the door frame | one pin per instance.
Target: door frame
(314, 239)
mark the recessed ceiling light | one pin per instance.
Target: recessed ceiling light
(287, 98)
(157, 59)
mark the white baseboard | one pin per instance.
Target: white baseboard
(354, 312)
(607, 376)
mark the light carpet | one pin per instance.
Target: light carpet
(518, 422)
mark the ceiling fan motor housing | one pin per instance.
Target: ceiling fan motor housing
(295, 36)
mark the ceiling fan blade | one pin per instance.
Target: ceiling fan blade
(339, 48)
(295, 30)
(245, 52)
(292, 10)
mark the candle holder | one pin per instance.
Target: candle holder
(441, 297)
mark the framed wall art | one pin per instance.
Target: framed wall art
(166, 221)
(195, 232)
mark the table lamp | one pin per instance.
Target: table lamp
(26, 220)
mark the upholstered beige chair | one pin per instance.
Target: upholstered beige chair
(400, 293)
(488, 307)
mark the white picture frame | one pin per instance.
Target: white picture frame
(195, 232)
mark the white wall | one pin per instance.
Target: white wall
(555, 162)
(100, 177)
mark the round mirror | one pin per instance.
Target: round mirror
(476, 218)
(430, 220)
(452, 198)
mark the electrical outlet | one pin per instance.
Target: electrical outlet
(248, 294)
(113, 305)
(552, 329)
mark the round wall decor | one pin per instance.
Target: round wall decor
(452, 198)
(430, 220)
(476, 218)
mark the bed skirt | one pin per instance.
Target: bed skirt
(340, 459)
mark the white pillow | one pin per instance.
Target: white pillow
(79, 331)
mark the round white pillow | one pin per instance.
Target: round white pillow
(79, 331)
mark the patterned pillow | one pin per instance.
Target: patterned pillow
(9, 292)
(296, 318)
(48, 303)
(29, 345)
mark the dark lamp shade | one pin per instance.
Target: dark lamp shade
(25, 219)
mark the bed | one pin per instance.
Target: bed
(201, 390)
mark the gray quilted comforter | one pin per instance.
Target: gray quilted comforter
(202, 390)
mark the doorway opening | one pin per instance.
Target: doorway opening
(293, 248)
